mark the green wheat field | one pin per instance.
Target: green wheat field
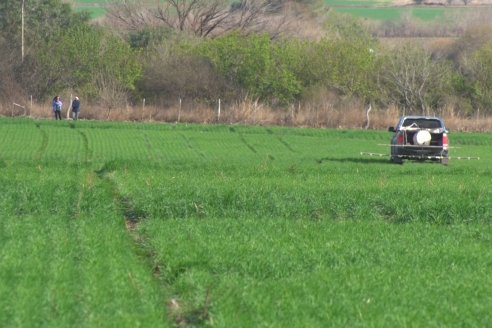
(377, 10)
(163, 225)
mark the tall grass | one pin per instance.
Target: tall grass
(309, 114)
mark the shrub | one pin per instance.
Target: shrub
(83, 58)
(255, 63)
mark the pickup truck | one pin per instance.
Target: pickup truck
(420, 138)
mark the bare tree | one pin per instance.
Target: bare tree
(199, 16)
(169, 76)
(130, 15)
(203, 18)
(413, 80)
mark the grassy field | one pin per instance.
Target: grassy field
(120, 224)
(394, 14)
(96, 8)
(387, 11)
(379, 10)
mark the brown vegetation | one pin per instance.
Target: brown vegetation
(248, 112)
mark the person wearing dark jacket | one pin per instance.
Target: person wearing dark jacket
(76, 108)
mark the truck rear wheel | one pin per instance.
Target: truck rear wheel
(396, 160)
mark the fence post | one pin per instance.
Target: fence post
(218, 112)
(367, 116)
(143, 109)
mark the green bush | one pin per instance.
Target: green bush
(347, 66)
(255, 63)
(82, 58)
(482, 69)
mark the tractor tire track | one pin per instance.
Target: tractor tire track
(131, 214)
(194, 316)
(190, 146)
(152, 155)
(282, 141)
(87, 150)
(244, 141)
(38, 155)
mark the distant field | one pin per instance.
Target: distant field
(162, 225)
(96, 8)
(358, 3)
(95, 12)
(384, 11)
(394, 14)
(371, 9)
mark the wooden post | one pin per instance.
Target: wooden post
(218, 112)
(367, 116)
(143, 108)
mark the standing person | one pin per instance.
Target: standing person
(57, 107)
(76, 108)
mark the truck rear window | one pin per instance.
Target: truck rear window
(422, 123)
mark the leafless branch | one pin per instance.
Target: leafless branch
(203, 18)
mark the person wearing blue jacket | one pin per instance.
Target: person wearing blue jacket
(76, 108)
(57, 107)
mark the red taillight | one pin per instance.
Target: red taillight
(401, 139)
(445, 141)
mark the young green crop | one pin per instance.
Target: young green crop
(161, 225)
(277, 272)
(66, 256)
(386, 11)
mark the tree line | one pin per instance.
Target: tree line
(276, 52)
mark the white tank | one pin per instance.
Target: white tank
(422, 138)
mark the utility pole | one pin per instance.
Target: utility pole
(22, 31)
